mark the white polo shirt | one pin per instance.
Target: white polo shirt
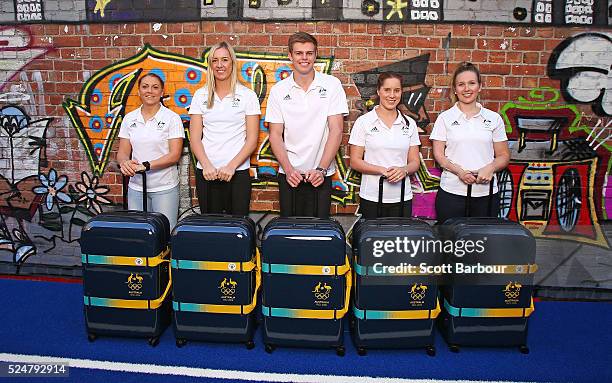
(385, 147)
(224, 130)
(469, 144)
(304, 114)
(149, 140)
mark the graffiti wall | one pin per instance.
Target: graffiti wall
(68, 71)
(530, 12)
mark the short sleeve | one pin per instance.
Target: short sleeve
(124, 130)
(176, 129)
(273, 111)
(252, 104)
(439, 130)
(196, 102)
(358, 133)
(499, 131)
(337, 102)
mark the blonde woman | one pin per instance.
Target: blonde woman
(223, 133)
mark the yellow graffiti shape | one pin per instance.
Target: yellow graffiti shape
(100, 6)
(396, 7)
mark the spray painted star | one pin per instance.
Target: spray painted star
(396, 7)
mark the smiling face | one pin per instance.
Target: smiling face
(303, 56)
(467, 87)
(390, 93)
(221, 64)
(150, 90)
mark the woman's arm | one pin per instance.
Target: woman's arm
(359, 164)
(173, 156)
(501, 160)
(252, 133)
(464, 175)
(196, 128)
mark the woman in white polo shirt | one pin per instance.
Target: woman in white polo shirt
(384, 142)
(151, 139)
(223, 133)
(470, 144)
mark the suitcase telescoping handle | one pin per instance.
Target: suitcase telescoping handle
(126, 180)
(294, 198)
(381, 182)
(469, 198)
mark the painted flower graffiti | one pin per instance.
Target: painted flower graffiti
(52, 186)
(91, 193)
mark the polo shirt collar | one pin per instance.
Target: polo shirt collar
(316, 82)
(458, 113)
(398, 121)
(156, 117)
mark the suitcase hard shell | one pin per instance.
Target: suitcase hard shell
(485, 309)
(306, 283)
(215, 279)
(126, 281)
(394, 310)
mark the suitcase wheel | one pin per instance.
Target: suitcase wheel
(181, 342)
(154, 341)
(270, 348)
(524, 349)
(340, 351)
(250, 345)
(361, 351)
(431, 350)
(453, 348)
(91, 337)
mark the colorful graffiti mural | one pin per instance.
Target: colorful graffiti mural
(556, 175)
(16, 52)
(106, 96)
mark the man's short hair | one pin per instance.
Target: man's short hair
(301, 37)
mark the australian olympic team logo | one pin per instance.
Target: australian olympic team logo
(321, 293)
(512, 291)
(322, 92)
(228, 289)
(134, 283)
(418, 292)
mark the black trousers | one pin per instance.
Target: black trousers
(369, 209)
(304, 195)
(450, 205)
(220, 197)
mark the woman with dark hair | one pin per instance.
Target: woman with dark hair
(151, 139)
(470, 144)
(223, 134)
(385, 142)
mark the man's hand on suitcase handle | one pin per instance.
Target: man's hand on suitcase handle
(294, 177)
(315, 177)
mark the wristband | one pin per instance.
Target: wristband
(323, 171)
(147, 165)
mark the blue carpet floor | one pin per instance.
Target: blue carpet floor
(569, 342)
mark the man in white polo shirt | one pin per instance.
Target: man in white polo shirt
(305, 114)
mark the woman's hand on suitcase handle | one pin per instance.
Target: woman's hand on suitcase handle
(225, 173)
(467, 177)
(395, 173)
(129, 167)
(485, 174)
(209, 172)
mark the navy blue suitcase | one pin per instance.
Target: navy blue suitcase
(126, 274)
(491, 306)
(215, 279)
(306, 282)
(393, 309)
